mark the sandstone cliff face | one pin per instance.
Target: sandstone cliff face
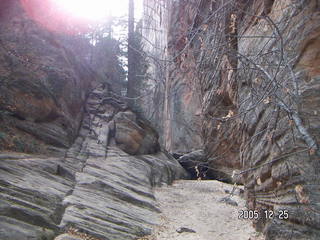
(254, 67)
(155, 25)
(282, 133)
(43, 85)
(74, 159)
(173, 105)
(96, 189)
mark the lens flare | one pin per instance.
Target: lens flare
(92, 10)
(73, 16)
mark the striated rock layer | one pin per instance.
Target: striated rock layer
(74, 161)
(95, 189)
(254, 66)
(171, 101)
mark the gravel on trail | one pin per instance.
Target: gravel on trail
(193, 210)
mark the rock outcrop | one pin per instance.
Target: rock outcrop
(195, 163)
(43, 85)
(133, 135)
(75, 161)
(254, 66)
(239, 79)
(96, 189)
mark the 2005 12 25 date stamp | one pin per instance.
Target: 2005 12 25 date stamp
(265, 214)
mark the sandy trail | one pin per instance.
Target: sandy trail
(195, 205)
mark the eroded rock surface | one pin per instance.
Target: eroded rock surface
(254, 66)
(96, 187)
(77, 173)
(195, 163)
(43, 85)
(134, 137)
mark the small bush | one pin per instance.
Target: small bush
(2, 136)
(20, 145)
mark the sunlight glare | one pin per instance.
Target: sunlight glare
(93, 10)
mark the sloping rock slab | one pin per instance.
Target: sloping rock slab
(113, 197)
(96, 188)
(31, 192)
(110, 198)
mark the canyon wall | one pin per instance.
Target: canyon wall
(175, 117)
(43, 85)
(75, 161)
(154, 38)
(101, 188)
(242, 82)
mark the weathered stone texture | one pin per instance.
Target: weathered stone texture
(43, 85)
(96, 189)
(78, 176)
(172, 104)
(287, 165)
(134, 137)
(255, 66)
(182, 96)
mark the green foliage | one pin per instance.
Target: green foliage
(3, 136)
(20, 145)
(141, 65)
(107, 61)
(32, 147)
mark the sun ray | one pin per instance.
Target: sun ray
(92, 9)
(77, 16)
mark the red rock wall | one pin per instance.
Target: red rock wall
(43, 85)
(247, 73)
(173, 104)
(280, 137)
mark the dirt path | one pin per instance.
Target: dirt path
(196, 205)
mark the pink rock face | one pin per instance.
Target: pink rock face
(252, 69)
(174, 105)
(43, 85)
(134, 137)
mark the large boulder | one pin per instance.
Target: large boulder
(134, 135)
(194, 163)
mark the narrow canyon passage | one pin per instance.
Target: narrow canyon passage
(106, 126)
(199, 207)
